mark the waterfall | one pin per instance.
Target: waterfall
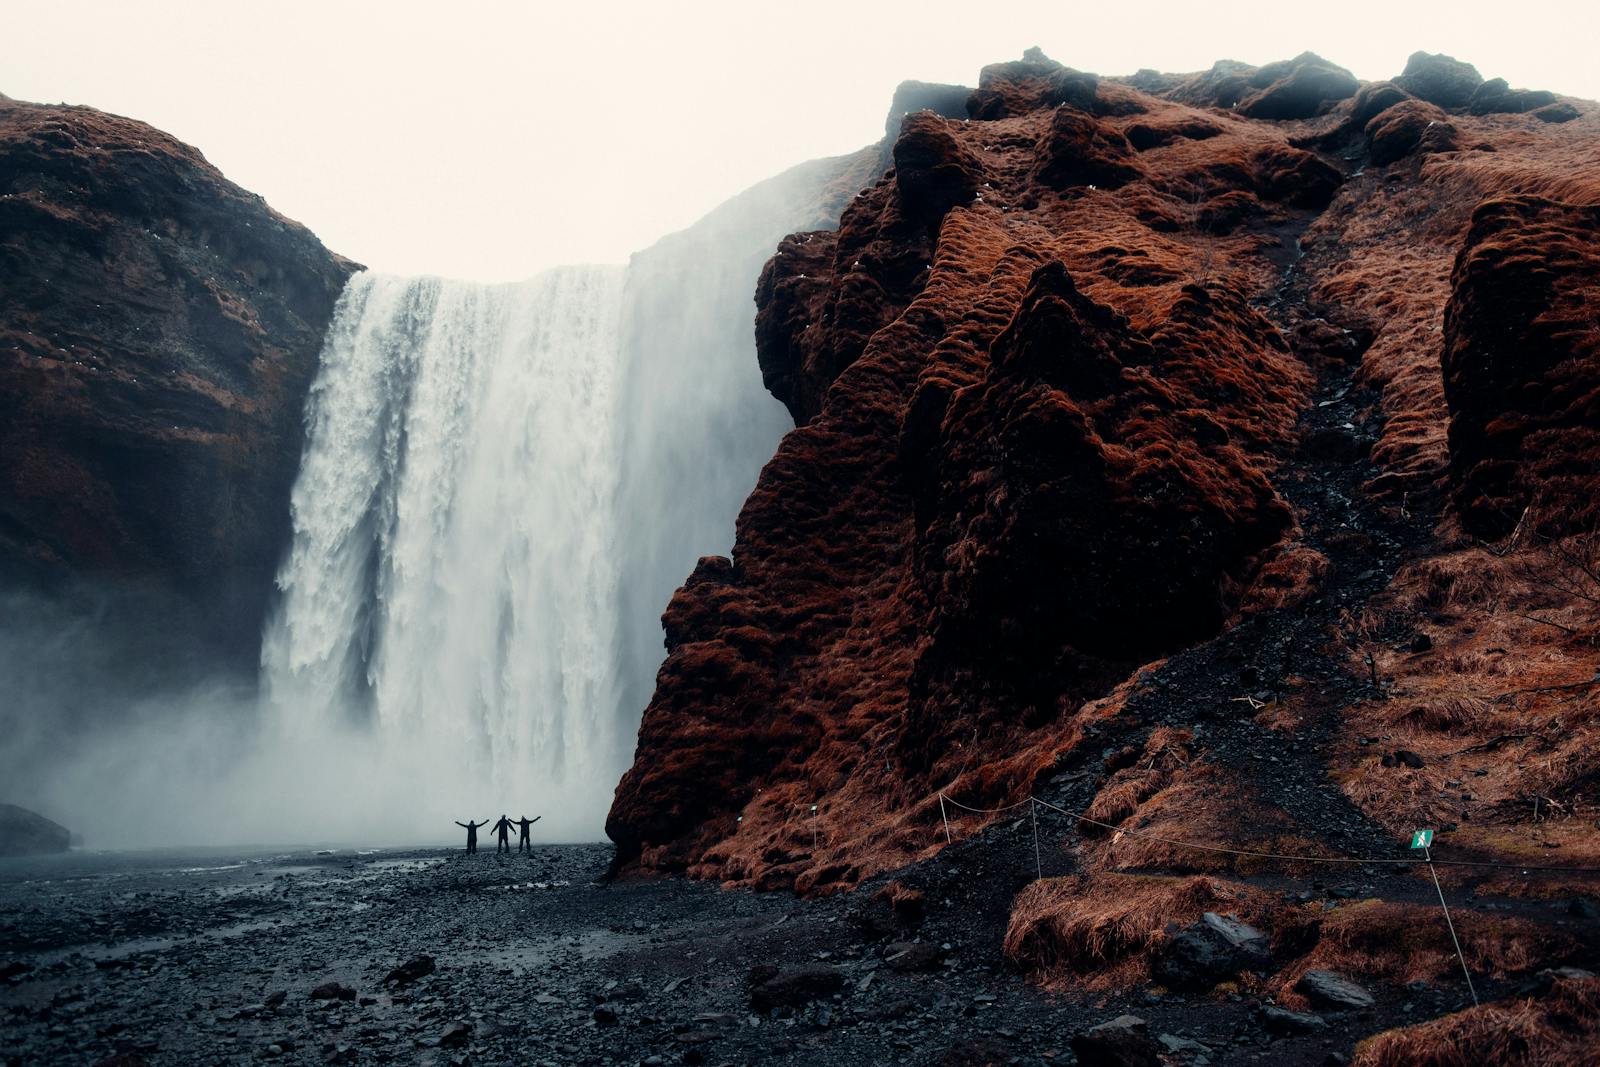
(500, 489)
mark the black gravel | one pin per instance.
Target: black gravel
(176, 958)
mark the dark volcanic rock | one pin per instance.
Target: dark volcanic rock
(1373, 99)
(333, 991)
(1521, 358)
(159, 328)
(417, 967)
(1123, 1042)
(1439, 79)
(27, 833)
(1560, 111)
(1282, 1021)
(1209, 951)
(772, 986)
(1329, 990)
(913, 956)
(1297, 89)
(1495, 95)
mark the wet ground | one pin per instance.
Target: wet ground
(179, 958)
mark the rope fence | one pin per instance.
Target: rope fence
(1034, 804)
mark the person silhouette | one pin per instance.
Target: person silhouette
(472, 832)
(501, 829)
(522, 839)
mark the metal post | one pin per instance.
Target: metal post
(947, 838)
(1033, 813)
(1428, 854)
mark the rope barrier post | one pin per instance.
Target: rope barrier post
(1427, 854)
(813, 828)
(1033, 813)
(947, 838)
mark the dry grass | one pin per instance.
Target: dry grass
(1101, 931)
(1560, 1029)
(1395, 943)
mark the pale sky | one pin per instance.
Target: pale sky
(489, 140)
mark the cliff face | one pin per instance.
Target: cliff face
(159, 329)
(1145, 428)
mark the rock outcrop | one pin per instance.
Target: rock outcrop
(1144, 442)
(159, 329)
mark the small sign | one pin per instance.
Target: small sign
(1421, 838)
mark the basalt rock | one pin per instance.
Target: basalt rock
(1440, 79)
(1298, 89)
(1495, 95)
(159, 328)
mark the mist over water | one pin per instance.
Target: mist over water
(501, 487)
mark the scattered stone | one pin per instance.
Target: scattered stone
(1174, 1045)
(1440, 79)
(772, 986)
(333, 991)
(1421, 643)
(605, 1016)
(1122, 1042)
(1333, 991)
(1560, 111)
(1404, 757)
(276, 998)
(456, 1034)
(417, 967)
(1281, 1021)
(908, 956)
(1210, 950)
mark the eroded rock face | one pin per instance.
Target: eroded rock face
(1057, 438)
(159, 328)
(1522, 366)
(1028, 454)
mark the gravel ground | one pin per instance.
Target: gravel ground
(180, 958)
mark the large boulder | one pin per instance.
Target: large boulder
(1298, 89)
(27, 833)
(1209, 951)
(1326, 989)
(1495, 95)
(1121, 1042)
(1440, 79)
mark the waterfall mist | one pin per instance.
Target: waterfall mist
(501, 487)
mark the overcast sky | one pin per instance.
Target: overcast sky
(490, 140)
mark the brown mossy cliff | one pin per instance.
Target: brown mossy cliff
(159, 329)
(1056, 378)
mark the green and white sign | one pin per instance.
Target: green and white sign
(1421, 838)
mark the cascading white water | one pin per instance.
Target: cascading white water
(450, 593)
(501, 487)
